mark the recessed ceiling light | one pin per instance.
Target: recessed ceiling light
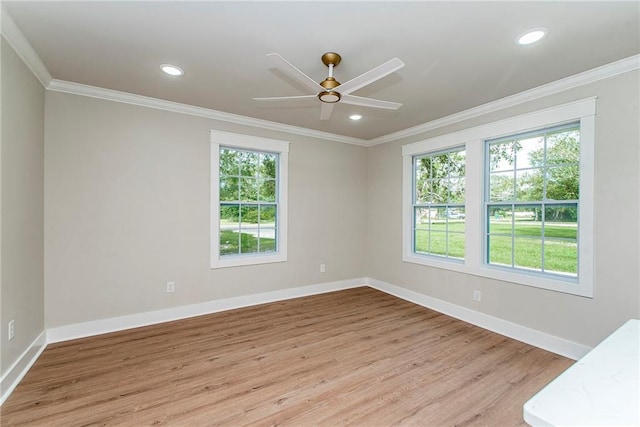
(531, 36)
(355, 117)
(172, 70)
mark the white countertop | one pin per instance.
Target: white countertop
(601, 389)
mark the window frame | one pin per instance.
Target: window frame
(544, 202)
(248, 143)
(430, 205)
(474, 140)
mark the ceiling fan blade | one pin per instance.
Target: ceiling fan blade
(369, 102)
(370, 76)
(290, 70)
(287, 98)
(327, 109)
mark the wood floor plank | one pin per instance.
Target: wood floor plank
(357, 357)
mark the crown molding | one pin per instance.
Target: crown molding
(25, 51)
(590, 76)
(160, 104)
(19, 43)
(609, 70)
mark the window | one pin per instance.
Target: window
(248, 207)
(532, 194)
(510, 200)
(438, 204)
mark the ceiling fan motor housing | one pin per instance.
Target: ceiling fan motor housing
(330, 59)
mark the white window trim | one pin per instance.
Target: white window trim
(474, 140)
(248, 142)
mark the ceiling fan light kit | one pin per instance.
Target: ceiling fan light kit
(330, 91)
(330, 96)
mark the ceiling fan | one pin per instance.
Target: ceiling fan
(330, 91)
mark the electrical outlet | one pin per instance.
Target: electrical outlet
(323, 268)
(171, 286)
(477, 296)
(12, 329)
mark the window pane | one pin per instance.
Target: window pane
(455, 219)
(249, 240)
(441, 218)
(529, 185)
(528, 253)
(501, 186)
(267, 215)
(248, 163)
(567, 214)
(438, 242)
(229, 229)
(561, 257)
(528, 221)
(229, 240)
(499, 219)
(422, 216)
(229, 214)
(456, 245)
(421, 241)
(423, 191)
(440, 166)
(456, 190)
(229, 164)
(439, 191)
(563, 147)
(561, 221)
(248, 189)
(530, 152)
(563, 183)
(267, 240)
(501, 156)
(229, 189)
(457, 164)
(500, 250)
(268, 190)
(268, 165)
(422, 168)
(249, 215)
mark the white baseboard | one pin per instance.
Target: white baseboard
(114, 324)
(20, 367)
(536, 338)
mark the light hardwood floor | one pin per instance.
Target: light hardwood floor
(357, 357)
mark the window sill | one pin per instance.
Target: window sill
(437, 262)
(568, 286)
(244, 260)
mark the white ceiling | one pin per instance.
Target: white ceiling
(458, 55)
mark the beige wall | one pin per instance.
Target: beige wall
(22, 183)
(127, 209)
(617, 278)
